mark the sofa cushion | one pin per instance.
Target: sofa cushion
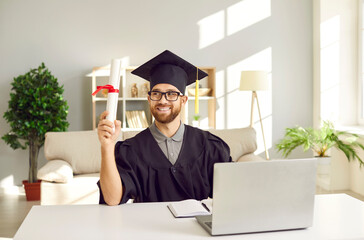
(81, 149)
(56, 171)
(241, 140)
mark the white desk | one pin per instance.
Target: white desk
(337, 216)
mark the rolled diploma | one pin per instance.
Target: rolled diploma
(112, 98)
(112, 106)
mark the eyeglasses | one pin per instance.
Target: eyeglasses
(170, 95)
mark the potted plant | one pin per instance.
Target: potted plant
(36, 106)
(320, 141)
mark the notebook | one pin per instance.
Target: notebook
(261, 196)
(190, 208)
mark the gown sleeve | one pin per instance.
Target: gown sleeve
(125, 161)
(218, 152)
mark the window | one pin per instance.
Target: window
(361, 62)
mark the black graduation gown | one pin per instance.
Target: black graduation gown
(148, 176)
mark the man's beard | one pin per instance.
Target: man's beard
(163, 118)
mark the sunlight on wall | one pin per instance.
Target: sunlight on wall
(235, 18)
(330, 69)
(212, 29)
(246, 13)
(239, 102)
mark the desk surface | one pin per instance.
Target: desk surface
(337, 216)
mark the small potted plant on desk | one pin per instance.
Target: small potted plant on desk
(320, 141)
(36, 106)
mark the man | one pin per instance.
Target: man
(168, 161)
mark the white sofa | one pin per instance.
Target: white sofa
(74, 160)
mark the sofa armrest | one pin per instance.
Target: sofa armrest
(241, 141)
(56, 171)
(251, 157)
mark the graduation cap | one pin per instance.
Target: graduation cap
(169, 68)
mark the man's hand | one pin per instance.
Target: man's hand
(105, 130)
(110, 180)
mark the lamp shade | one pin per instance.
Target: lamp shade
(254, 81)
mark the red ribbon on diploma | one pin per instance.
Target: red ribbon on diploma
(109, 87)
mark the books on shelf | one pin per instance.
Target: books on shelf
(191, 208)
(136, 119)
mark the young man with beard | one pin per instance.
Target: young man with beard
(169, 161)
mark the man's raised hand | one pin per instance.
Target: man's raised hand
(105, 130)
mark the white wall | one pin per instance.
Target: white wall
(71, 37)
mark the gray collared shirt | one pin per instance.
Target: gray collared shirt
(169, 146)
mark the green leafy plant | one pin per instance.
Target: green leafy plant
(320, 141)
(36, 106)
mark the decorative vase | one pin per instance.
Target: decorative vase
(32, 190)
(144, 90)
(134, 90)
(195, 123)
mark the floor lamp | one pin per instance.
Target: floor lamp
(255, 81)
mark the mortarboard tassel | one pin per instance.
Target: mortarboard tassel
(196, 95)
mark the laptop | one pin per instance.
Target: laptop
(262, 196)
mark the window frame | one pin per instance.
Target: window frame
(360, 75)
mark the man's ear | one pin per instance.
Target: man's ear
(184, 99)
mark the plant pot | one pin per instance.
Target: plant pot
(32, 190)
(323, 180)
(323, 165)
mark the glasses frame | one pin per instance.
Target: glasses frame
(165, 95)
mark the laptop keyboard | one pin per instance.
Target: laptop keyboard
(209, 224)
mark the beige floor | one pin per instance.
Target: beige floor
(13, 210)
(15, 207)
